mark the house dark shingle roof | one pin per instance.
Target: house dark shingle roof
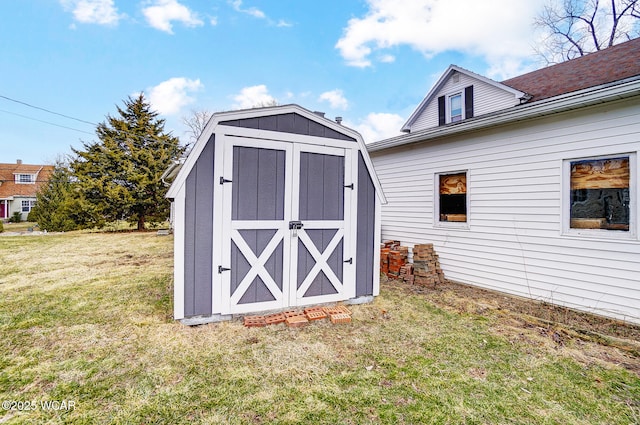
(605, 66)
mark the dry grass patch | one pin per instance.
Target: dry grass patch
(86, 317)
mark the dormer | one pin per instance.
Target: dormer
(459, 95)
(26, 174)
(25, 178)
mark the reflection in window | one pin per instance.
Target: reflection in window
(600, 195)
(453, 197)
(456, 107)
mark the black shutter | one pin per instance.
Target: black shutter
(468, 102)
(441, 111)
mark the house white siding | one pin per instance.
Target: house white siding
(514, 240)
(16, 205)
(487, 98)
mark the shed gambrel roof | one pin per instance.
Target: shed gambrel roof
(267, 120)
(518, 94)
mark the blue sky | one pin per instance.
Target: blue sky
(369, 61)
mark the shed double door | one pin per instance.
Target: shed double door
(287, 225)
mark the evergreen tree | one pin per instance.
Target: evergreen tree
(60, 206)
(119, 176)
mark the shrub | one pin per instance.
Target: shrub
(16, 217)
(1, 227)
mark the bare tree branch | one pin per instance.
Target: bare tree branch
(196, 122)
(575, 28)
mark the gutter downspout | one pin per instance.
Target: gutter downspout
(171, 172)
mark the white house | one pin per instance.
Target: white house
(527, 186)
(19, 184)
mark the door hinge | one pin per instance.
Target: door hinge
(222, 269)
(350, 260)
(223, 180)
(350, 186)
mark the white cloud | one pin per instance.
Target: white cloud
(259, 14)
(170, 96)
(283, 24)
(251, 97)
(163, 12)
(335, 98)
(102, 12)
(253, 11)
(493, 29)
(378, 126)
(387, 58)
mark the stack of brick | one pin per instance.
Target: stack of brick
(384, 260)
(392, 244)
(385, 251)
(426, 267)
(397, 258)
(338, 314)
(406, 273)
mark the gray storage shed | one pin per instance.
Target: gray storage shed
(274, 208)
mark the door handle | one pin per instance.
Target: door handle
(295, 225)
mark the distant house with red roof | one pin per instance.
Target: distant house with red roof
(19, 184)
(528, 186)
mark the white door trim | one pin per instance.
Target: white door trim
(230, 233)
(257, 265)
(346, 229)
(321, 259)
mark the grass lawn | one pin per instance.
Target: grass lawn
(85, 319)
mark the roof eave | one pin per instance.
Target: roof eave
(443, 78)
(599, 94)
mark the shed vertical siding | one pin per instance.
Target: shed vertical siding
(321, 197)
(365, 239)
(321, 194)
(258, 185)
(514, 240)
(289, 123)
(198, 243)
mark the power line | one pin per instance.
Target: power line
(125, 132)
(49, 111)
(45, 122)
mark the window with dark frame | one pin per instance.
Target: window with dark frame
(600, 196)
(453, 197)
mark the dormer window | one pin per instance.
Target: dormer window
(455, 108)
(25, 178)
